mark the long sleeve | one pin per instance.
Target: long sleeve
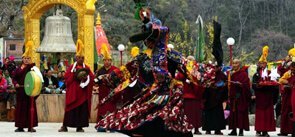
(285, 77)
(69, 76)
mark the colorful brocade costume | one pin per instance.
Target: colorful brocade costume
(158, 111)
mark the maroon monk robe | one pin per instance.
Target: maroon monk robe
(264, 116)
(193, 104)
(239, 97)
(23, 116)
(78, 100)
(282, 69)
(286, 124)
(291, 81)
(104, 91)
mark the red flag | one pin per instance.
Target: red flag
(100, 38)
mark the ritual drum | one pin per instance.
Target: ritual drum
(81, 73)
(33, 84)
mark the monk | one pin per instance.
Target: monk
(288, 80)
(25, 112)
(239, 99)
(214, 96)
(264, 116)
(79, 82)
(291, 82)
(286, 92)
(284, 67)
(104, 90)
(192, 95)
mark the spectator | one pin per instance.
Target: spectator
(11, 102)
(61, 82)
(5, 63)
(55, 69)
(3, 87)
(50, 82)
(9, 64)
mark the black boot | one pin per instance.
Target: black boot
(19, 130)
(293, 133)
(233, 132)
(31, 130)
(218, 132)
(265, 134)
(197, 132)
(258, 133)
(79, 129)
(241, 133)
(282, 134)
(63, 129)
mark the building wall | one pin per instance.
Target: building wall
(9, 50)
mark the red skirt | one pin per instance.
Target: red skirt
(146, 109)
(193, 111)
(238, 118)
(24, 114)
(286, 123)
(77, 117)
(264, 116)
(293, 104)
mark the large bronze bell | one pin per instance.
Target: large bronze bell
(58, 35)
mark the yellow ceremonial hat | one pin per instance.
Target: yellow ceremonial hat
(28, 49)
(80, 48)
(292, 52)
(264, 55)
(190, 63)
(105, 52)
(134, 52)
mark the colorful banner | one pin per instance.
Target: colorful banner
(100, 38)
(199, 49)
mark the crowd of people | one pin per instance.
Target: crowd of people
(211, 98)
(159, 93)
(204, 106)
(7, 88)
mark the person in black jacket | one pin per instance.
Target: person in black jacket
(50, 82)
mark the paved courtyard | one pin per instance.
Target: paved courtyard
(50, 130)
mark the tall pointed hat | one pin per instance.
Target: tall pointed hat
(28, 49)
(134, 52)
(105, 52)
(79, 48)
(264, 55)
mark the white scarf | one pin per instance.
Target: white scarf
(82, 84)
